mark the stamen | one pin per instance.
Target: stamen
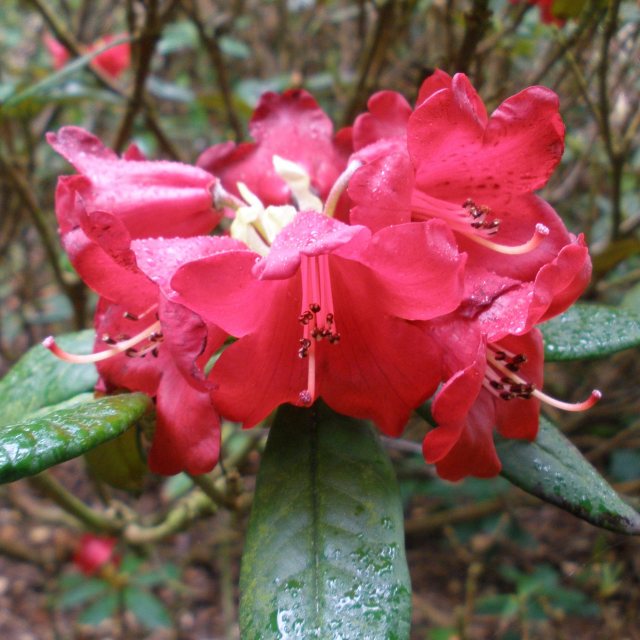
(516, 387)
(130, 316)
(471, 220)
(339, 186)
(317, 316)
(119, 347)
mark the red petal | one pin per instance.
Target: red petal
(474, 454)
(387, 118)
(223, 290)
(383, 367)
(454, 147)
(310, 234)
(290, 125)
(519, 418)
(187, 436)
(437, 80)
(261, 371)
(381, 192)
(151, 198)
(418, 270)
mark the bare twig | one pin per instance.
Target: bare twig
(214, 52)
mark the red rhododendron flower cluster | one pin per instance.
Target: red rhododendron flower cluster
(399, 258)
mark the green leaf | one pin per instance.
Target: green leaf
(150, 611)
(87, 589)
(39, 379)
(30, 447)
(163, 575)
(552, 469)
(100, 610)
(590, 331)
(324, 554)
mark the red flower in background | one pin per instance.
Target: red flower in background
(95, 552)
(113, 62)
(291, 126)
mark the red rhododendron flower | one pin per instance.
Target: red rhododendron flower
(146, 342)
(151, 198)
(114, 61)
(291, 126)
(325, 314)
(475, 172)
(94, 552)
(493, 364)
(326, 309)
(448, 160)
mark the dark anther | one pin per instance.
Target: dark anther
(154, 352)
(314, 307)
(521, 358)
(496, 385)
(131, 352)
(333, 338)
(129, 316)
(500, 355)
(506, 396)
(512, 366)
(108, 339)
(329, 318)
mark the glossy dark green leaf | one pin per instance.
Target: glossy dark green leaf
(29, 447)
(324, 554)
(39, 379)
(552, 469)
(590, 331)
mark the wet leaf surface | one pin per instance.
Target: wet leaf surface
(324, 555)
(29, 447)
(590, 331)
(39, 379)
(553, 469)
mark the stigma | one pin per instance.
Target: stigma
(503, 381)
(474, 221)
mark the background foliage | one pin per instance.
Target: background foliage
(486, 561)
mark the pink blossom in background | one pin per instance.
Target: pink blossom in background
(113, 62)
